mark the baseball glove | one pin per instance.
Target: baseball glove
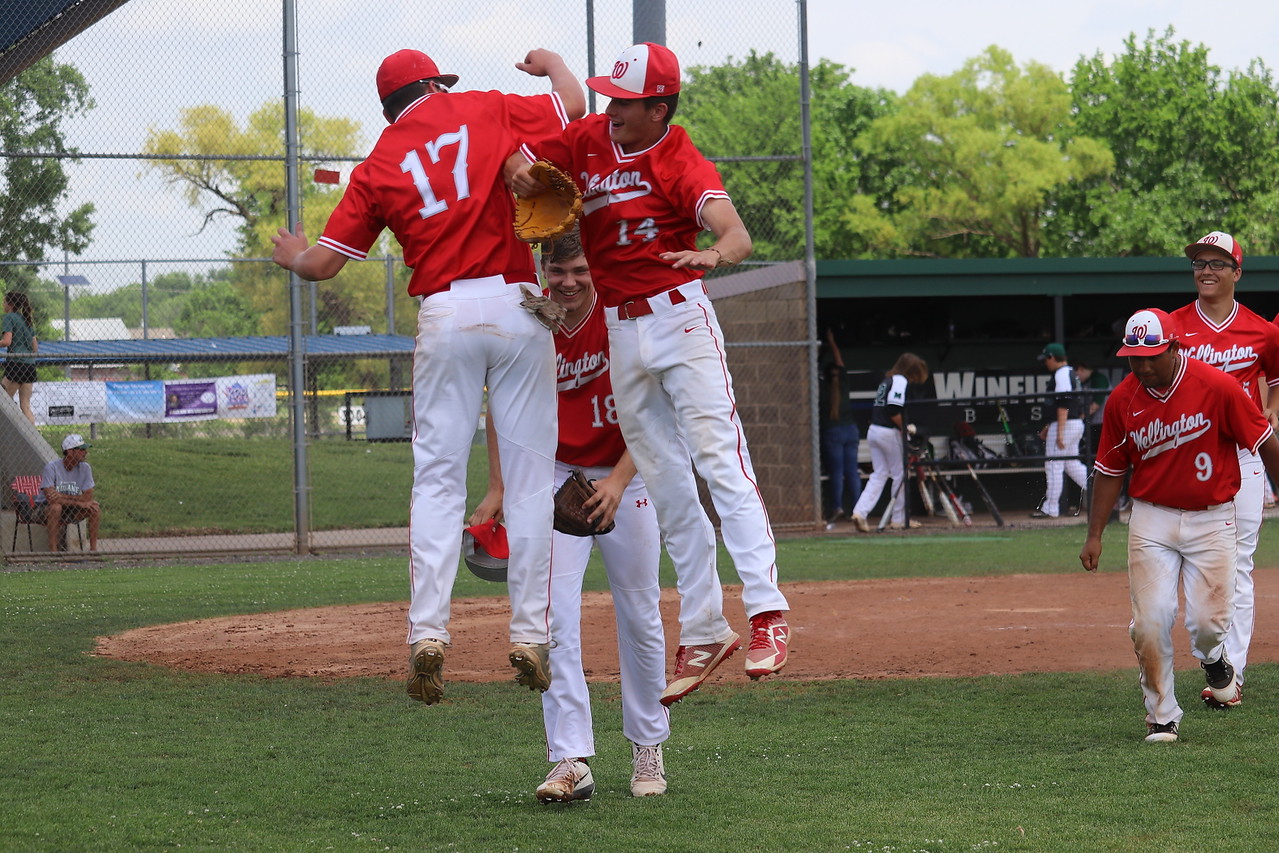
(547, 215)
(550, 314)
(571, 516)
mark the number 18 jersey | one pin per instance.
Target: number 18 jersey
(589, 434)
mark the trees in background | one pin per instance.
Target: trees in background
(34, 189)
(980, 153)
(253, 193)
(1195, 150)
(1133, 155)
(744, 115)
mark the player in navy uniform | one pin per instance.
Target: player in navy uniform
(884, 436)
(1062, 435)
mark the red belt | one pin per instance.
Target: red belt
(640, 307)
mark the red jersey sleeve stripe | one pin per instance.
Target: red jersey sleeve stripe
(1256, 448)
(701, 202)
(560, 112)
(342, 249)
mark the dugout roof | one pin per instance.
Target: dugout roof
(31, 29)
(257, 348)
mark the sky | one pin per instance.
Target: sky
(890, 44)
(151, 58)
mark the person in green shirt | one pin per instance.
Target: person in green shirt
(17, 334)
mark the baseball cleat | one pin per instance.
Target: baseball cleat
(770, 636)
(649, 778)
(426, 665)
(1161, 732)
(1211, 702)
(533, 662)
(1221, 680)
(568, 780)
(859, 521)
(693, 664)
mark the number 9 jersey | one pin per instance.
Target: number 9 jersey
(1181, 441)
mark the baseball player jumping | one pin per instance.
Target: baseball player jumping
(435, 178)
(647, 192)
(591, 440)
(1220, 332)
(1178, 424)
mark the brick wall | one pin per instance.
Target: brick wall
(771, 383)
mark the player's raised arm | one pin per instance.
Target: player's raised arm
(541, 62)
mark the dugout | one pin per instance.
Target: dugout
(980, 325)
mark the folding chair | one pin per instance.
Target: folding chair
(25, 489)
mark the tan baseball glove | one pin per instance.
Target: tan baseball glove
(571, 514)
(549, 214)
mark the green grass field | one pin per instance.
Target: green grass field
(105, 755)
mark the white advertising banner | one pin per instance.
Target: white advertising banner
(154, 401)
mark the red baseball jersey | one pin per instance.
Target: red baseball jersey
(435, 179)
(634, 206)
(1244, 346)
(589, 434)
(1180, 441)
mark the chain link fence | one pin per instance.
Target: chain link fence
(144, 174)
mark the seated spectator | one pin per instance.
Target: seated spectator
(66, 493)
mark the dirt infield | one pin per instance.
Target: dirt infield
(913, 628)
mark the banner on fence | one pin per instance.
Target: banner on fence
(155, 401)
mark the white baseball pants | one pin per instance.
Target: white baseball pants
(630, 553)
(1055, 469)
(472, 335)
(1171, 547)
(1250, 501)
(886, 465)
(675, 397)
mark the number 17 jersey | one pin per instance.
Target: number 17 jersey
(435, 179)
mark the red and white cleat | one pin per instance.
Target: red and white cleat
(693, 664)
(769, 637)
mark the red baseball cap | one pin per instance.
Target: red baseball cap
(408, 66)
(1149, 332)
(1217, 240)
(491, 536)
(644, 70)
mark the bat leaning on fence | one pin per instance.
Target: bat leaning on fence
(950, 501)
(892, 502)
(928, 473)
(986, 498)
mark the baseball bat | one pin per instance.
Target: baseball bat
(892, 502)
(1010, 445)
(985, 496)
(951, 500)
(946, 505)
(925, 493)
(964, 518)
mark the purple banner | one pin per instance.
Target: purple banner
(190, 399)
